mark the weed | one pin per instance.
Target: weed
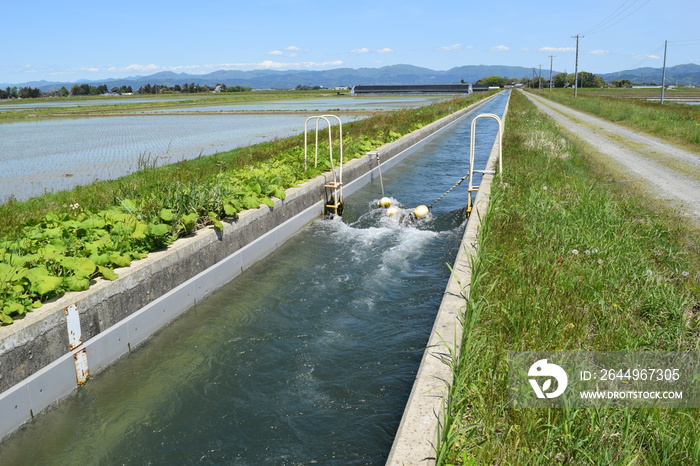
(569, 262)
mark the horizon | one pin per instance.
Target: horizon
(280, 35)
(189, 75)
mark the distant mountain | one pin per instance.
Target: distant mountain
(394, 74)
(271, 79)
(679, 74)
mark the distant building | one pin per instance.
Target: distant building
(413, 89)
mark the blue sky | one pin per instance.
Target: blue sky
(73, 42)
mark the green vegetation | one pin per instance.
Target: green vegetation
(569, 261)
(88, 90)
(677, 123)
(60, 242)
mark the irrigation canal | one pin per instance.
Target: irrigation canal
(307, 357)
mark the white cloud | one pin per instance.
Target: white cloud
(362, 50)
(182, 68)
(557, 49)
(269, 64)
(499, 48)
(196, 69)
(599, 52)
(645, 57)
(70, 71)
(385, 50)
(26, 69)
(447, 48)
(136, 67)
(292, 51)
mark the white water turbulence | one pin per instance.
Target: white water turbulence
(308, 357)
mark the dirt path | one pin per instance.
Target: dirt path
(671, 172)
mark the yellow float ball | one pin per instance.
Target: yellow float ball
(392, 211)
(421, 211)
(385, 202)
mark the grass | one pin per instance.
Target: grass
(674, 122)
(638, 93)
(569, 261)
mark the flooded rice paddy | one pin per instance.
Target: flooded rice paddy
(58, 154)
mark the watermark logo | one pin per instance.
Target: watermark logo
(603, 379)
(549, 371)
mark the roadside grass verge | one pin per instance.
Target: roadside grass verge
(62, 241)
(672, 122)
(568, 261)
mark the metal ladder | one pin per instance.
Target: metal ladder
(334, 188)
(472, 143)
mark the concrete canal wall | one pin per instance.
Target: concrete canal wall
(416, 438)
(45, 355)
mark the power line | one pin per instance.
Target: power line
(651, 55)
(648, 56)
(607, 18)
(606, 23)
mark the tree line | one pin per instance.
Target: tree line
(20, 93)
(585, 79)
(86, 89)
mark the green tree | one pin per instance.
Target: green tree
(29, 92)
(9, 93)
(586, 79)
(563, 80)
(621, 83)
(492, 81)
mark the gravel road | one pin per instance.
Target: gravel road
(671, 172)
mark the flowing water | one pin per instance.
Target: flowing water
(308, 357)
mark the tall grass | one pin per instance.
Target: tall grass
(569, 262)
(674, 122)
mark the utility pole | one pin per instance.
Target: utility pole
(576, 72)
(551, 62)
(540, 77)
(663, 74)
